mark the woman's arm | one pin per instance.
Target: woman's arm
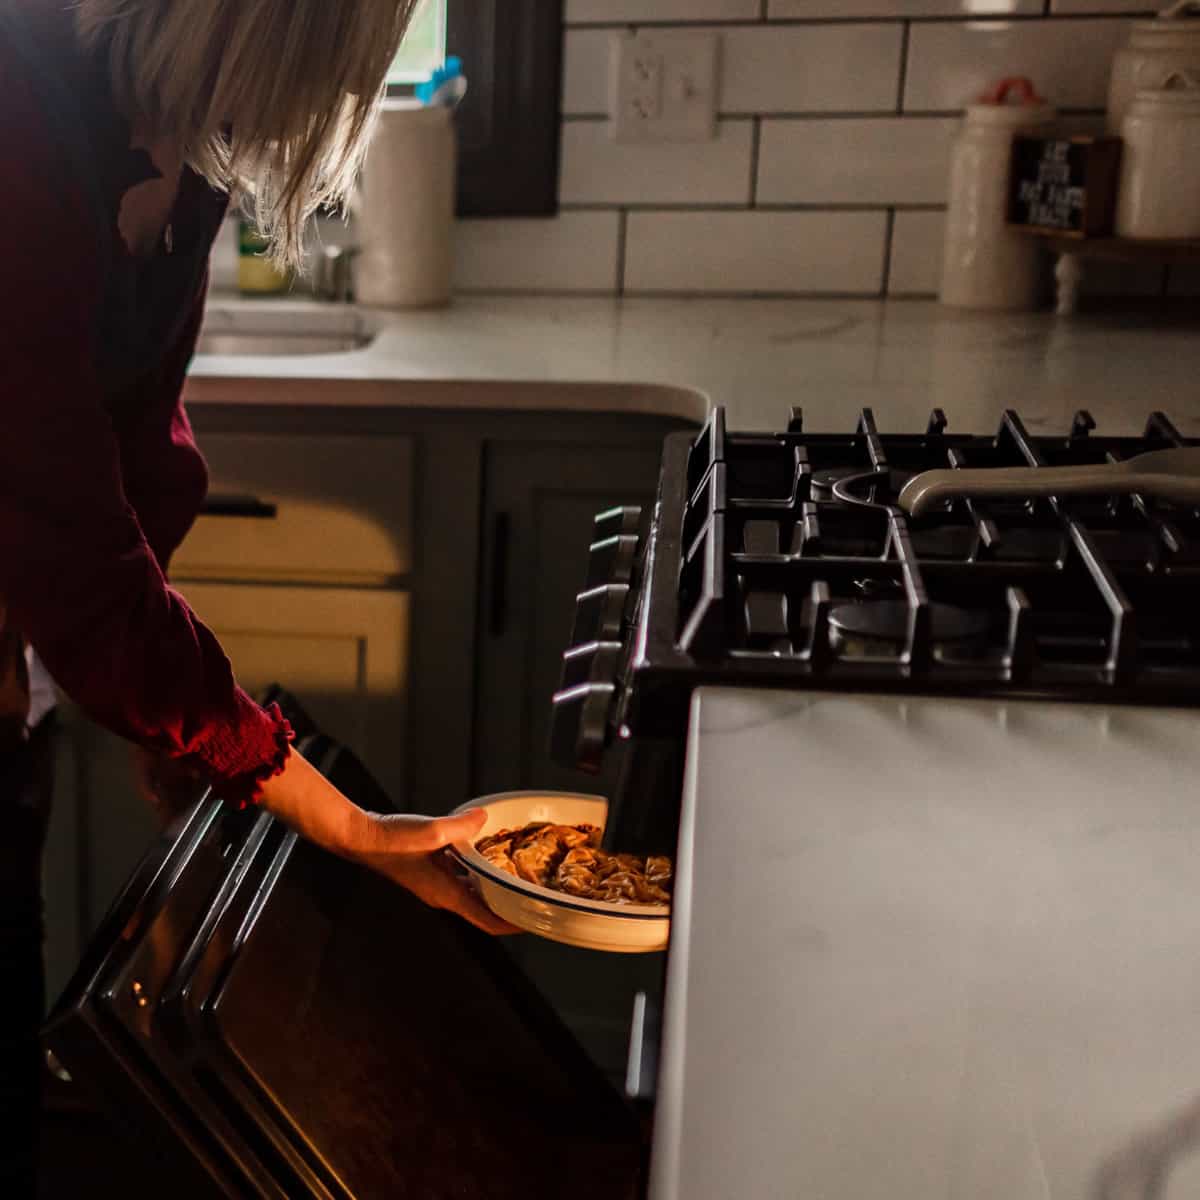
(81, 581)
(406, 849)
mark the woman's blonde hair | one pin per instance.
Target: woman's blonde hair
(276, 97)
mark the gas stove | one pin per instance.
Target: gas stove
(784, 560)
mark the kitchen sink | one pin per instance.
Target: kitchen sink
(279, 343)
(280, 328)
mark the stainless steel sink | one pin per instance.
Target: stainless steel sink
(280, 328)
(280, 343)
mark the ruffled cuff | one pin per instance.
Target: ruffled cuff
(240, 755)
(245, 789)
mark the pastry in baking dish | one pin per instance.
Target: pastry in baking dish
(569, 859)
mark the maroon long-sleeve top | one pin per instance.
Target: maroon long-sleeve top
(100, 477)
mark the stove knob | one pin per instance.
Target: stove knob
(617, 522)
(579, 725)
(592, 662)
(611, 561)
(583, 704)
(599, 614)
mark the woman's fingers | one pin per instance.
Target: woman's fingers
(428, 879)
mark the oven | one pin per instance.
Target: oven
(963, 742)
(265, 1020)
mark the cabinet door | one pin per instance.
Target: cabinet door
(299, 508)
(100, 826)
(343, 652)
(540, 503)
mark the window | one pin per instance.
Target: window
(424, 46)
(508, 125)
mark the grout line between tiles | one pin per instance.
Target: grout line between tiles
(665, 206)
(622, 241)
(903, 74)
(889, 230)
(786, 22)
(866, 114)
(755, 148)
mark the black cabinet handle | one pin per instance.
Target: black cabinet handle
(239, 506)
(501, 529)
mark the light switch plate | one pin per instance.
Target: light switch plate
(664, 86)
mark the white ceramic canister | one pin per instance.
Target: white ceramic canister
(986, 264)
(1170, 42)
(1159, 194)
(405, 208)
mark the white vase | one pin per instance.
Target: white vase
(405, 208)
(985, 263)
(1159, 193)
(1170, 42)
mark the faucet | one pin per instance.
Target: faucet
(334, 278)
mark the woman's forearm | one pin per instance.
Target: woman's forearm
(406, 849)
(304, 800)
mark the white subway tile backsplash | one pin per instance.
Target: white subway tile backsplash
(765, 68)
(916, 267)
(574, 252)
(586, 55)
(760, 252)
(810, 68)
(817, 9)
(816, 152)
(634, 11)
(872, 160)
(598, 170)
(950, 64)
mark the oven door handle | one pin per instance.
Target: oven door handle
(641, 1072)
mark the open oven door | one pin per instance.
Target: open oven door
(268, 1021)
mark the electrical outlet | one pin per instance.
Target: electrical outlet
(664, 86)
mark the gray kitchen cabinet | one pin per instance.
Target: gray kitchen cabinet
(344, 651)
(302, 577)
(410, 575)
(100, 826)
(540, 504)
(333, 508)
(541, 501)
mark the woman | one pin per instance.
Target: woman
(126, 124)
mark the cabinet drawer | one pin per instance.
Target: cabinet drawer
(343, 653)
(302, 507)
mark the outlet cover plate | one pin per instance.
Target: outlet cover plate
(664, 86)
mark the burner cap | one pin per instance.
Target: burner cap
(887, 621)
(821, 482)
(870, 491)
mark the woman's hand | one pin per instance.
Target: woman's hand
(409, 851)
(406, 849)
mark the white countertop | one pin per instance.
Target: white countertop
(931, 948)
(757, 357)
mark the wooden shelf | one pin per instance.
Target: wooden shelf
(1073, 251)
(1116, 249)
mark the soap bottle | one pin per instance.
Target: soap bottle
(257, 274)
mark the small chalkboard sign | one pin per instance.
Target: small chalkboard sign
(1064, 185)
